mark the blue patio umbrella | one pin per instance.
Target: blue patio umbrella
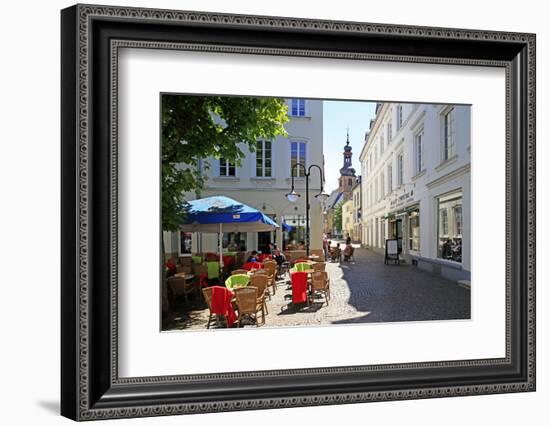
(218, 214)
(287, 227)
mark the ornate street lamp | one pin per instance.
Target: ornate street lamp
(293, 196)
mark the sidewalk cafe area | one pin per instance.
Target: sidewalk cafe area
(246, 289)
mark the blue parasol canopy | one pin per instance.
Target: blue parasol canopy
(207, 214)
(287, 227)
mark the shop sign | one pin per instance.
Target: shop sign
(401, 200)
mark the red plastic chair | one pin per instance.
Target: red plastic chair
(252, 265)
(221, 304)
(263, 257)
(299, 287)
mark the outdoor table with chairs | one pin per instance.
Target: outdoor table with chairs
(307, 278)
(246, 290)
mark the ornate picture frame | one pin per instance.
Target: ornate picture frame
(90, 385)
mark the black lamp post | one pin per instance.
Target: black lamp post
(293, 196)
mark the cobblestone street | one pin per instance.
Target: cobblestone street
(362, 291)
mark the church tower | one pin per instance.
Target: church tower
(347, 173)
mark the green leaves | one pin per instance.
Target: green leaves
(197, 127)
(338, 217)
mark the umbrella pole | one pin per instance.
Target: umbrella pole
(220, 248)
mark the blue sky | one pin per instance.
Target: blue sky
(337, 116)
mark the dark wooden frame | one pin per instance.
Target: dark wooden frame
(90, 386)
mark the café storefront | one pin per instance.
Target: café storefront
(402, 222)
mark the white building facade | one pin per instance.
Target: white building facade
(262, 181)
(415, 166)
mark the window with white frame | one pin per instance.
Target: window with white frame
(400, 169)
(370, 162)
(414, 230)
(298, 107)
(390, 178)
(376, 190)
(381, 145)
(371, 194)
(297, 155)
(389, 132)
(418, 151)
(227, 168)
(382, 185)
(448, 134)
(263, 159)
(450, 226)
(399, 116)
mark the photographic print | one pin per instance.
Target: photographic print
(289, 212)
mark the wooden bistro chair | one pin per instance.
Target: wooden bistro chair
(336, 254)
(271, 268)
(239, 272)
(213, 313)
(320, 283)
(319, 266)
(261, 282)
(181, 286)
(248, 305)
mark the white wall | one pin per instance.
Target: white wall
(29, 219)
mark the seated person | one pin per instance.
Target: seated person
(348, 252)
(279, 257)
(268, 249)
(336, 252)
(253, 257)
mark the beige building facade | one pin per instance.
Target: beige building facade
(347, 218)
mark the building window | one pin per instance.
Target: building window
(414, 230)
(186, 241)
(381, 145)
(400, 169)
(389, 132)
(390, 179)
(399, 116)
(376, 189)
(450, 227)
(227, 168)
(418, 147)
(263, 159)
(370, 162)
(298, 107)
(382, 185)
(234, 241)
(297, 155)
(295, 237)
(448, 133)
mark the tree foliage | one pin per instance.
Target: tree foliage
(197, 127)
(338, 217)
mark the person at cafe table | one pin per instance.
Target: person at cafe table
(279, 257)
(253, 257)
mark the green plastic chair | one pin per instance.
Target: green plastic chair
(213, 269)
(238, 280)
(302, 266)
(197, 259)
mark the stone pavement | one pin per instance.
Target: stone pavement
(362, 291)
